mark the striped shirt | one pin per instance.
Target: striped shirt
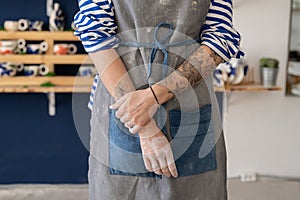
(96, 28)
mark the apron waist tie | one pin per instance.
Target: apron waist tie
(161, 45)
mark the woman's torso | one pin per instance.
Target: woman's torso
(134, 21)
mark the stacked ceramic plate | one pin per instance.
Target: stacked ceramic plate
(294, 68)
(296, 90)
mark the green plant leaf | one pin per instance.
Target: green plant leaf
(47, 84)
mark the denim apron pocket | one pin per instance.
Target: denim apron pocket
(125, 154)
(189, 130)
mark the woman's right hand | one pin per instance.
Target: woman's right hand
(157, 152)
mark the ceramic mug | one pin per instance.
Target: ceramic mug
(9, 43)
(7, 50)
(43, 70)
(21, 43)
(44, 47)
(18, 66)
(8, 46)
(31, 70)
(238, 70)
(62, 49)
(32, 48)
(2, 69)
(22, 50)
(87, 71)
(11, 25)
(23, 24)
(36, 26)
(7, 70)
(232, 72)
(27, 25)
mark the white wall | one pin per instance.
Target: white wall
(263, 129)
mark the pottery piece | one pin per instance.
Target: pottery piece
(11, 25)
(56, 18)
(62, 49)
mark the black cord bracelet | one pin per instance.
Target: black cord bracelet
(154, 94)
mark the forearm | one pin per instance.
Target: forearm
(112, 72)
(194, 70)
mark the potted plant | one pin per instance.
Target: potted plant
(268, 71)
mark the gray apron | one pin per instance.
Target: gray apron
(109, 175)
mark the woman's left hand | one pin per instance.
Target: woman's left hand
(136, 109)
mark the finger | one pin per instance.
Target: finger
(147, 164)
(171, 164)
(155, 165)
(135, 129)
(129, 124)
(122, 110)
(164, 167)
(119, 102)
(124, 118)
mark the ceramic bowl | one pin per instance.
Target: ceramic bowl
(11, 25)
(62, 49)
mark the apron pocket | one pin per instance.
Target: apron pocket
(125, 154)
(190, 132)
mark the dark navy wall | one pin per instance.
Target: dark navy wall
(36, 148)
(34, 10)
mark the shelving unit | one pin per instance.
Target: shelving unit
(49, 58)
(62, 84)
(293, 79)
(247, 87)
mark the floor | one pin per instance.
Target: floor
(264, 189)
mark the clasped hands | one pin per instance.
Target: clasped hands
(136, 110)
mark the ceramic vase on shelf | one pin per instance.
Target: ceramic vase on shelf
(56, 18)
(230, 73)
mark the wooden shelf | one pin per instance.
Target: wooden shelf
(63, 84)
(56, 89)
(296, 8)
(254, 87)
(39, 35)
(47, 59)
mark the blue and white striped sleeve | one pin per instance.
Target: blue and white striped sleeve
(218, 32)
(95, 23)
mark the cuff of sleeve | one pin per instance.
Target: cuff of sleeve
(218, 49)
(101, 44)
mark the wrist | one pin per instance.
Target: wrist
(149, 97)
(163, 94)
(154, 95)
(149, 131)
